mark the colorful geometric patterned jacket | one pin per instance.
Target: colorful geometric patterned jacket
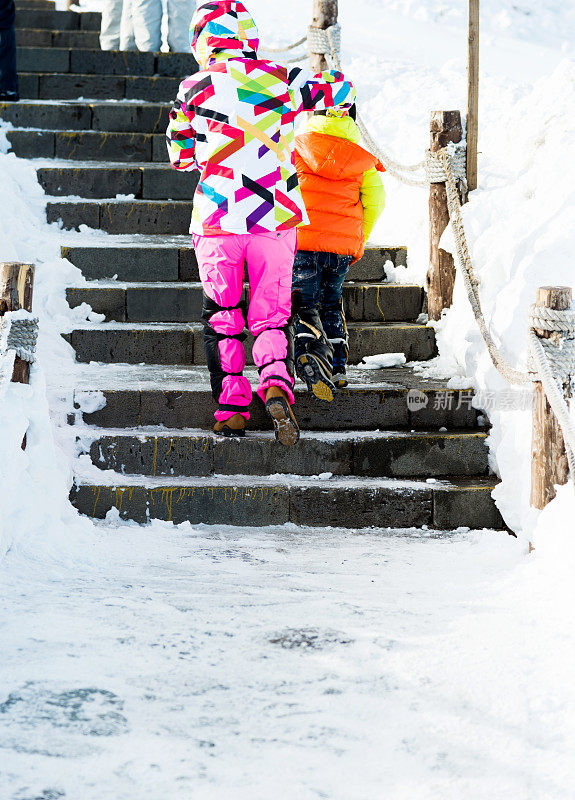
(234, 122)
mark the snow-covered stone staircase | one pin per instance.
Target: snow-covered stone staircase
(392, 450)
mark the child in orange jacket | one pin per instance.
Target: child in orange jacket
(344, 197)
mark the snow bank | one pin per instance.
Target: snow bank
(521, 229)
(34, 484)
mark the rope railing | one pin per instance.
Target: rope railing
(553, 359)
(21, 335)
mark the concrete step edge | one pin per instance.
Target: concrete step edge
(150, 433)
(167, 327)
(340, 502)
(159, 285)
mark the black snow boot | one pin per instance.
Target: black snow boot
(336, 328)
(313, 354)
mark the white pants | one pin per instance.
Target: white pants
(141, 27)
(110, 29)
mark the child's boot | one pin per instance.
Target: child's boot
(314, 354)
(279, 409)
(340, 344)
(340, 354)
(234, 426)
(340, 380)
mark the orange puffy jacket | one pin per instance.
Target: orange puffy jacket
(330, 170)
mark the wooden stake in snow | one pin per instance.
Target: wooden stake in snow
(549, 464)
(445, 127)
(324, 16)
(16, 287)
(472, 94)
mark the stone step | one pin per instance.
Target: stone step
(42, 37)
(148, 258)
(110, 116)
(393, 454)
(57, 20)
(144, 181)
(105, 62)
(176, 343)
(22, 5)
(69, 86)
(180, 397)
(182, 302)
(340, 502)
(89, 145)
(123, 216)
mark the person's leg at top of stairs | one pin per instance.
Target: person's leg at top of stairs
(179, 14)
(147, 21)
(8, 75)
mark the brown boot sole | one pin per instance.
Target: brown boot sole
(286, 427)
(230, 432)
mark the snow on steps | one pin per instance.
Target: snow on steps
(391, 464)
(182, 301)
(277, 499)
(181, 343)
(130, 396)
(189, 452)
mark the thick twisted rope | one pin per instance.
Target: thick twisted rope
(435, 168)
(554, 363)
(328, 43)
(553, 356)
(510, 374)
(286, 49)
(22, 336)
(293, 46)
(550, 357)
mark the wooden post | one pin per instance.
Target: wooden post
(472, 94)
(324, 16)
(16, 288)
(549, 465)
(445, 127)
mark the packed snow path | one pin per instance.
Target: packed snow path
(195, 663)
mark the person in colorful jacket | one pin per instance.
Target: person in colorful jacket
(234, 122)
(344, 197)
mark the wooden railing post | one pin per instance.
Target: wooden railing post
(549, 464)
(324, 16)
(16, 289)
(472, 95)
(445, 127)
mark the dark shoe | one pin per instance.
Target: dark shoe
(234, 426)
(9, 97)
(313, 372)
(279, 409)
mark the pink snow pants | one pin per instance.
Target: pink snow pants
(269, 258)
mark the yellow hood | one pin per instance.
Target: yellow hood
(343, 127)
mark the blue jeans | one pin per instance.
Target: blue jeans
(319, 278)
(8, 74)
